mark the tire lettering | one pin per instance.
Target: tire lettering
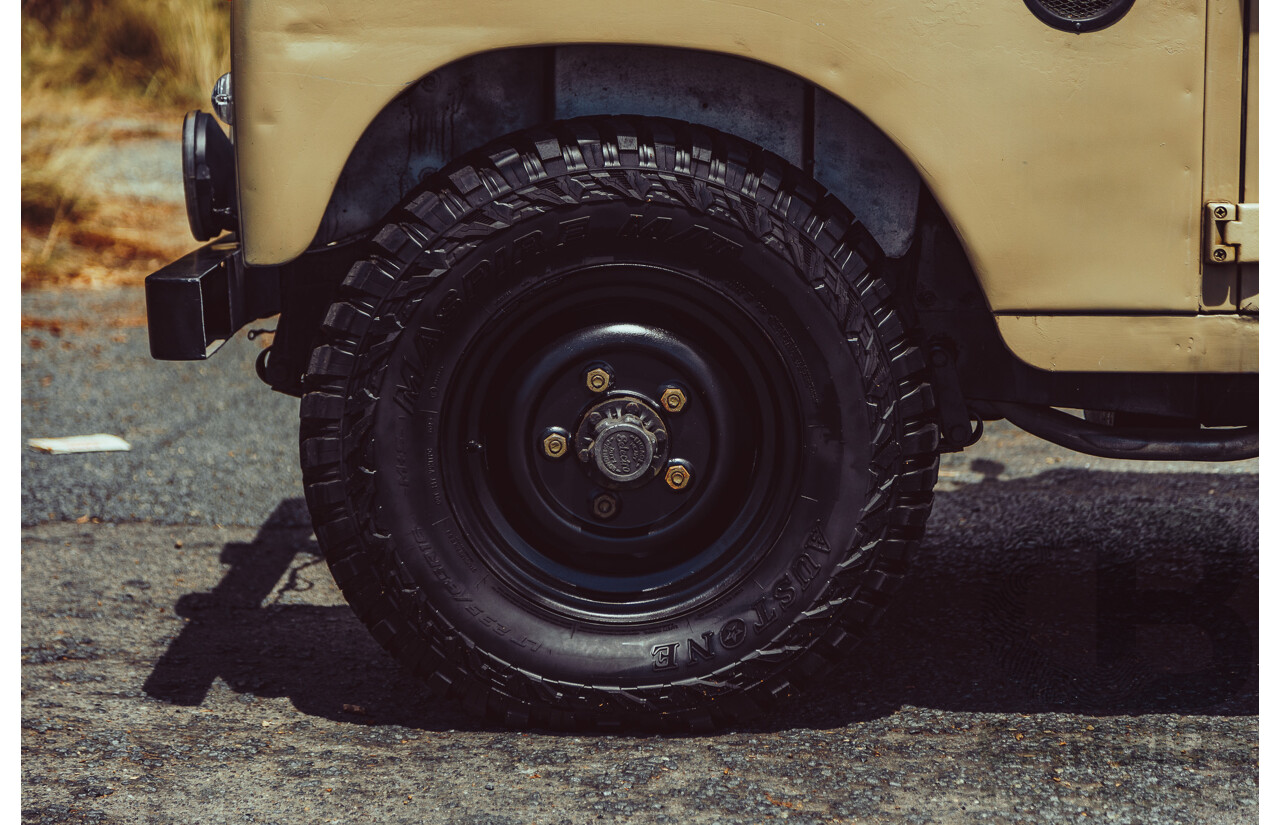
(460, 548)
(697, 651)
(402, 453)
(492, 624)
(527, 247)
(713, 243)
(456, 591)
(784, 592)
(765, 614)
(656, 229)
(805, 570)
(664, 656)
(433, 478)
(697, 237)
(484, 279)
(525, 641)
(817, 542)
(433, 392)
(500, 629)
(793, 352)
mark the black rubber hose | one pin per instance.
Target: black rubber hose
(1065, 430)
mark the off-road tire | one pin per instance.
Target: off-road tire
(524, 217)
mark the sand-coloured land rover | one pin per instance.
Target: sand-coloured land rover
(628, 335)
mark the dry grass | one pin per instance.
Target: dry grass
(74, 236)
(166, 52)
(86, 65)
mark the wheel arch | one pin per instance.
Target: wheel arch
(471, 101)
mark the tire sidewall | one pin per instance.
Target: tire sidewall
(446, 584)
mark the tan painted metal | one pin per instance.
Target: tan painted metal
(1139, 343)
(1070, 165)
(1224, 84)
(1249, 272)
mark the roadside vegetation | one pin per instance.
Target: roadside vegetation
(95, 75)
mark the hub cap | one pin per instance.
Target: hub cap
(622, 442)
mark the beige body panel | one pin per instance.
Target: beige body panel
(1140, 343)
(1249, 272)
(1070, 165)
(1224, 86)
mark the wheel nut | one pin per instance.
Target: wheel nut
(605, 506)
(678, 476)
(555, 445)
(673, 399)
(598, 379)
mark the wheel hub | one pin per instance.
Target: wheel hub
(622, 442)
(627, 466)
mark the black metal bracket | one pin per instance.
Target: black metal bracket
(958, 427)
(199, 301)
(308, 286)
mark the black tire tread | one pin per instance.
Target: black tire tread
(594, 159)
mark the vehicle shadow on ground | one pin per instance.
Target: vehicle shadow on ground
(1072, 591)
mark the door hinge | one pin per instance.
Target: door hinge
(1231, 232)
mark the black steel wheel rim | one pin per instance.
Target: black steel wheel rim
(539, 522)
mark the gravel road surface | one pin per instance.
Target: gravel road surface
(1079, 641)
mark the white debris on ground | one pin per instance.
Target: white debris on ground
(97, 443)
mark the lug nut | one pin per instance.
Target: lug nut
(605, 506)
(673, 399)
(598, 379)
(678, 476)
(555, 445)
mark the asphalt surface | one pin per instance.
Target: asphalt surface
(1079, 640)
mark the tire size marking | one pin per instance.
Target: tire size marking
(402, 452)
(803, 571)
(404, 460)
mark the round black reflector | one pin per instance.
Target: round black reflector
(1079, 15)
